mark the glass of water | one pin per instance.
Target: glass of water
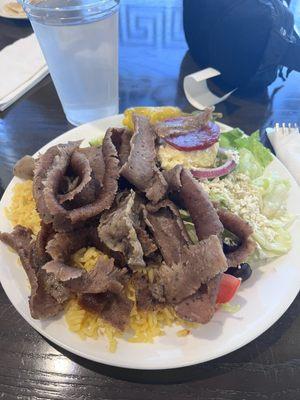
(79, 40)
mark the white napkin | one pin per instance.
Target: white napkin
(197, 91)
(22, 65)
(287, 149)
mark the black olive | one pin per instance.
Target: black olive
(243, 271)
(227, 248)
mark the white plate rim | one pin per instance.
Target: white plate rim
(137, 364)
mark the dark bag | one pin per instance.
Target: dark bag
(248, 41)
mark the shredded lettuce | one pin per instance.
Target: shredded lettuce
(274, 194)
(253, 144)
(188, 223)
(274, 191)
(190, 227)
(227, 139)
(262, 202)
(249, 165)
(96, 142)
(267, 191)
(185, 215)
(279, 245)
(230, 308)
(252, 152)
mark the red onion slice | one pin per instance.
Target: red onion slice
(222, 170)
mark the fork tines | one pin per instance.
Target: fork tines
(286, 129)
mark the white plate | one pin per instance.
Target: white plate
(263, 299)
(6, 14)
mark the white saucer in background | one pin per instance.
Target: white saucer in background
(6, 14)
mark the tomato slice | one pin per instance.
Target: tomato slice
(196, 139)
(228, 288)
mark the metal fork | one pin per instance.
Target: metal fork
(286, 129)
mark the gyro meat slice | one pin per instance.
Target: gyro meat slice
(141, 169)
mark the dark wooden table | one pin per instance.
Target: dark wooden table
(152, 62)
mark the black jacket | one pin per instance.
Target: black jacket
(248, 41)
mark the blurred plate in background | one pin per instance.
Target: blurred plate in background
(11, 9)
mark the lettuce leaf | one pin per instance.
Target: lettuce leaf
(271, 233)
(260, 154)
(280, 245)
(230, 308)
(190, 227)
(253, 144)
(249, 165)
(188, 223)
(96, 142)
(262, 202)
(227, 139)
(274, 192)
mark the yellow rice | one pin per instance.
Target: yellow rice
(22, 209)
(143, 326)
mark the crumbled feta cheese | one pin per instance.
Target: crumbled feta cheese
(237, 193)
(234, 155)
